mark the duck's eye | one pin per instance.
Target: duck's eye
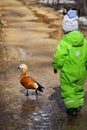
(21, 66)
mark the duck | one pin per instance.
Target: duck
(28, 82)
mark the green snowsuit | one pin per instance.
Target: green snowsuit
(71, 58)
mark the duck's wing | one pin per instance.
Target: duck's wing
(28, 82)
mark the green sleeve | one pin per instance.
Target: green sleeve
(60, 55)
(85, 40)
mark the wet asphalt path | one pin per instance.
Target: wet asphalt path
(25, 37)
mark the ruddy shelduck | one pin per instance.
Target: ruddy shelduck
(27, 81)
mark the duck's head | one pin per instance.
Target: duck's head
(23, 67)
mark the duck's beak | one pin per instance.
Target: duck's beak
(18, 67)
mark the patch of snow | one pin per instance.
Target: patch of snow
(62, 10)
(83, 20)
(67, 1)
(56, 1)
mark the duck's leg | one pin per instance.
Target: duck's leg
(27, 93)
(36, 92)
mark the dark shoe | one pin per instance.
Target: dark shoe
(72, 111)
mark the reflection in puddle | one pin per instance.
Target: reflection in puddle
(22, 53)
(8, 52)
(11, 52)
(39, 121)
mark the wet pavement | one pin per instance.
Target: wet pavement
(29, 34)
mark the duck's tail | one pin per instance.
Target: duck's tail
(40, 88)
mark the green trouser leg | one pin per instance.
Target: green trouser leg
(72, 89)
(72, 98)
(80, 94)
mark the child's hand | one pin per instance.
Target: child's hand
(55, 71)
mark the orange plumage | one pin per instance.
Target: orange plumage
(27, 81)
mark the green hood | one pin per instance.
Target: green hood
(74, 38)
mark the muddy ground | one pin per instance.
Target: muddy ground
(29, 34)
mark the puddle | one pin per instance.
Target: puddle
(8, 52)
(22, 53)
(29, 42)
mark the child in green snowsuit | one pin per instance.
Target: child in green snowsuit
(70, 58)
